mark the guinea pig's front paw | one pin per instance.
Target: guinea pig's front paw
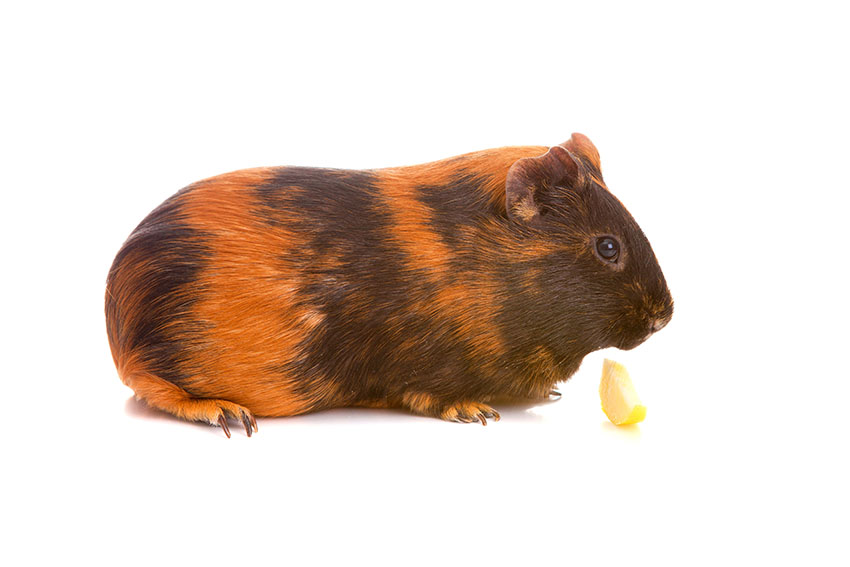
(469, 412)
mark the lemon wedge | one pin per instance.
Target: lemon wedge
(620, 401)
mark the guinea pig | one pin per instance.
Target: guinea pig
(439, 288)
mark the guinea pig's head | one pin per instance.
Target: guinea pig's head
(597, 277)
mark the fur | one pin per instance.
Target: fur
(438, 287)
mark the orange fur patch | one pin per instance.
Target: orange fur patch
(419, 403)
(247, 299)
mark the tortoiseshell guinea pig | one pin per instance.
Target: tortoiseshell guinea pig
(437, 288)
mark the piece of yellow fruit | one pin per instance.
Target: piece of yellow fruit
(620, 401)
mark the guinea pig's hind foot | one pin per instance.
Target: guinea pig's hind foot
(216, 412)
(469, 412)
(175, 400)
(234, 410)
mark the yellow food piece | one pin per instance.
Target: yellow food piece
(620, 401)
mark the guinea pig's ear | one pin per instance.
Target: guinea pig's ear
(529, 179)
(581, 146)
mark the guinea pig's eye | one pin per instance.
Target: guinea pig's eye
(608, 248)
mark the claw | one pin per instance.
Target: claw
(222, 422)
(247, 423)
(491, 414)
(482, 419)
(253, 422)
(554, 393)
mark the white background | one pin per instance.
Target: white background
(723, 127)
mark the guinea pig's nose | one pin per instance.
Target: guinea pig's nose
(658, 324)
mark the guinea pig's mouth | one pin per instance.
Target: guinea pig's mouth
(655, 325)
(629, 344)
